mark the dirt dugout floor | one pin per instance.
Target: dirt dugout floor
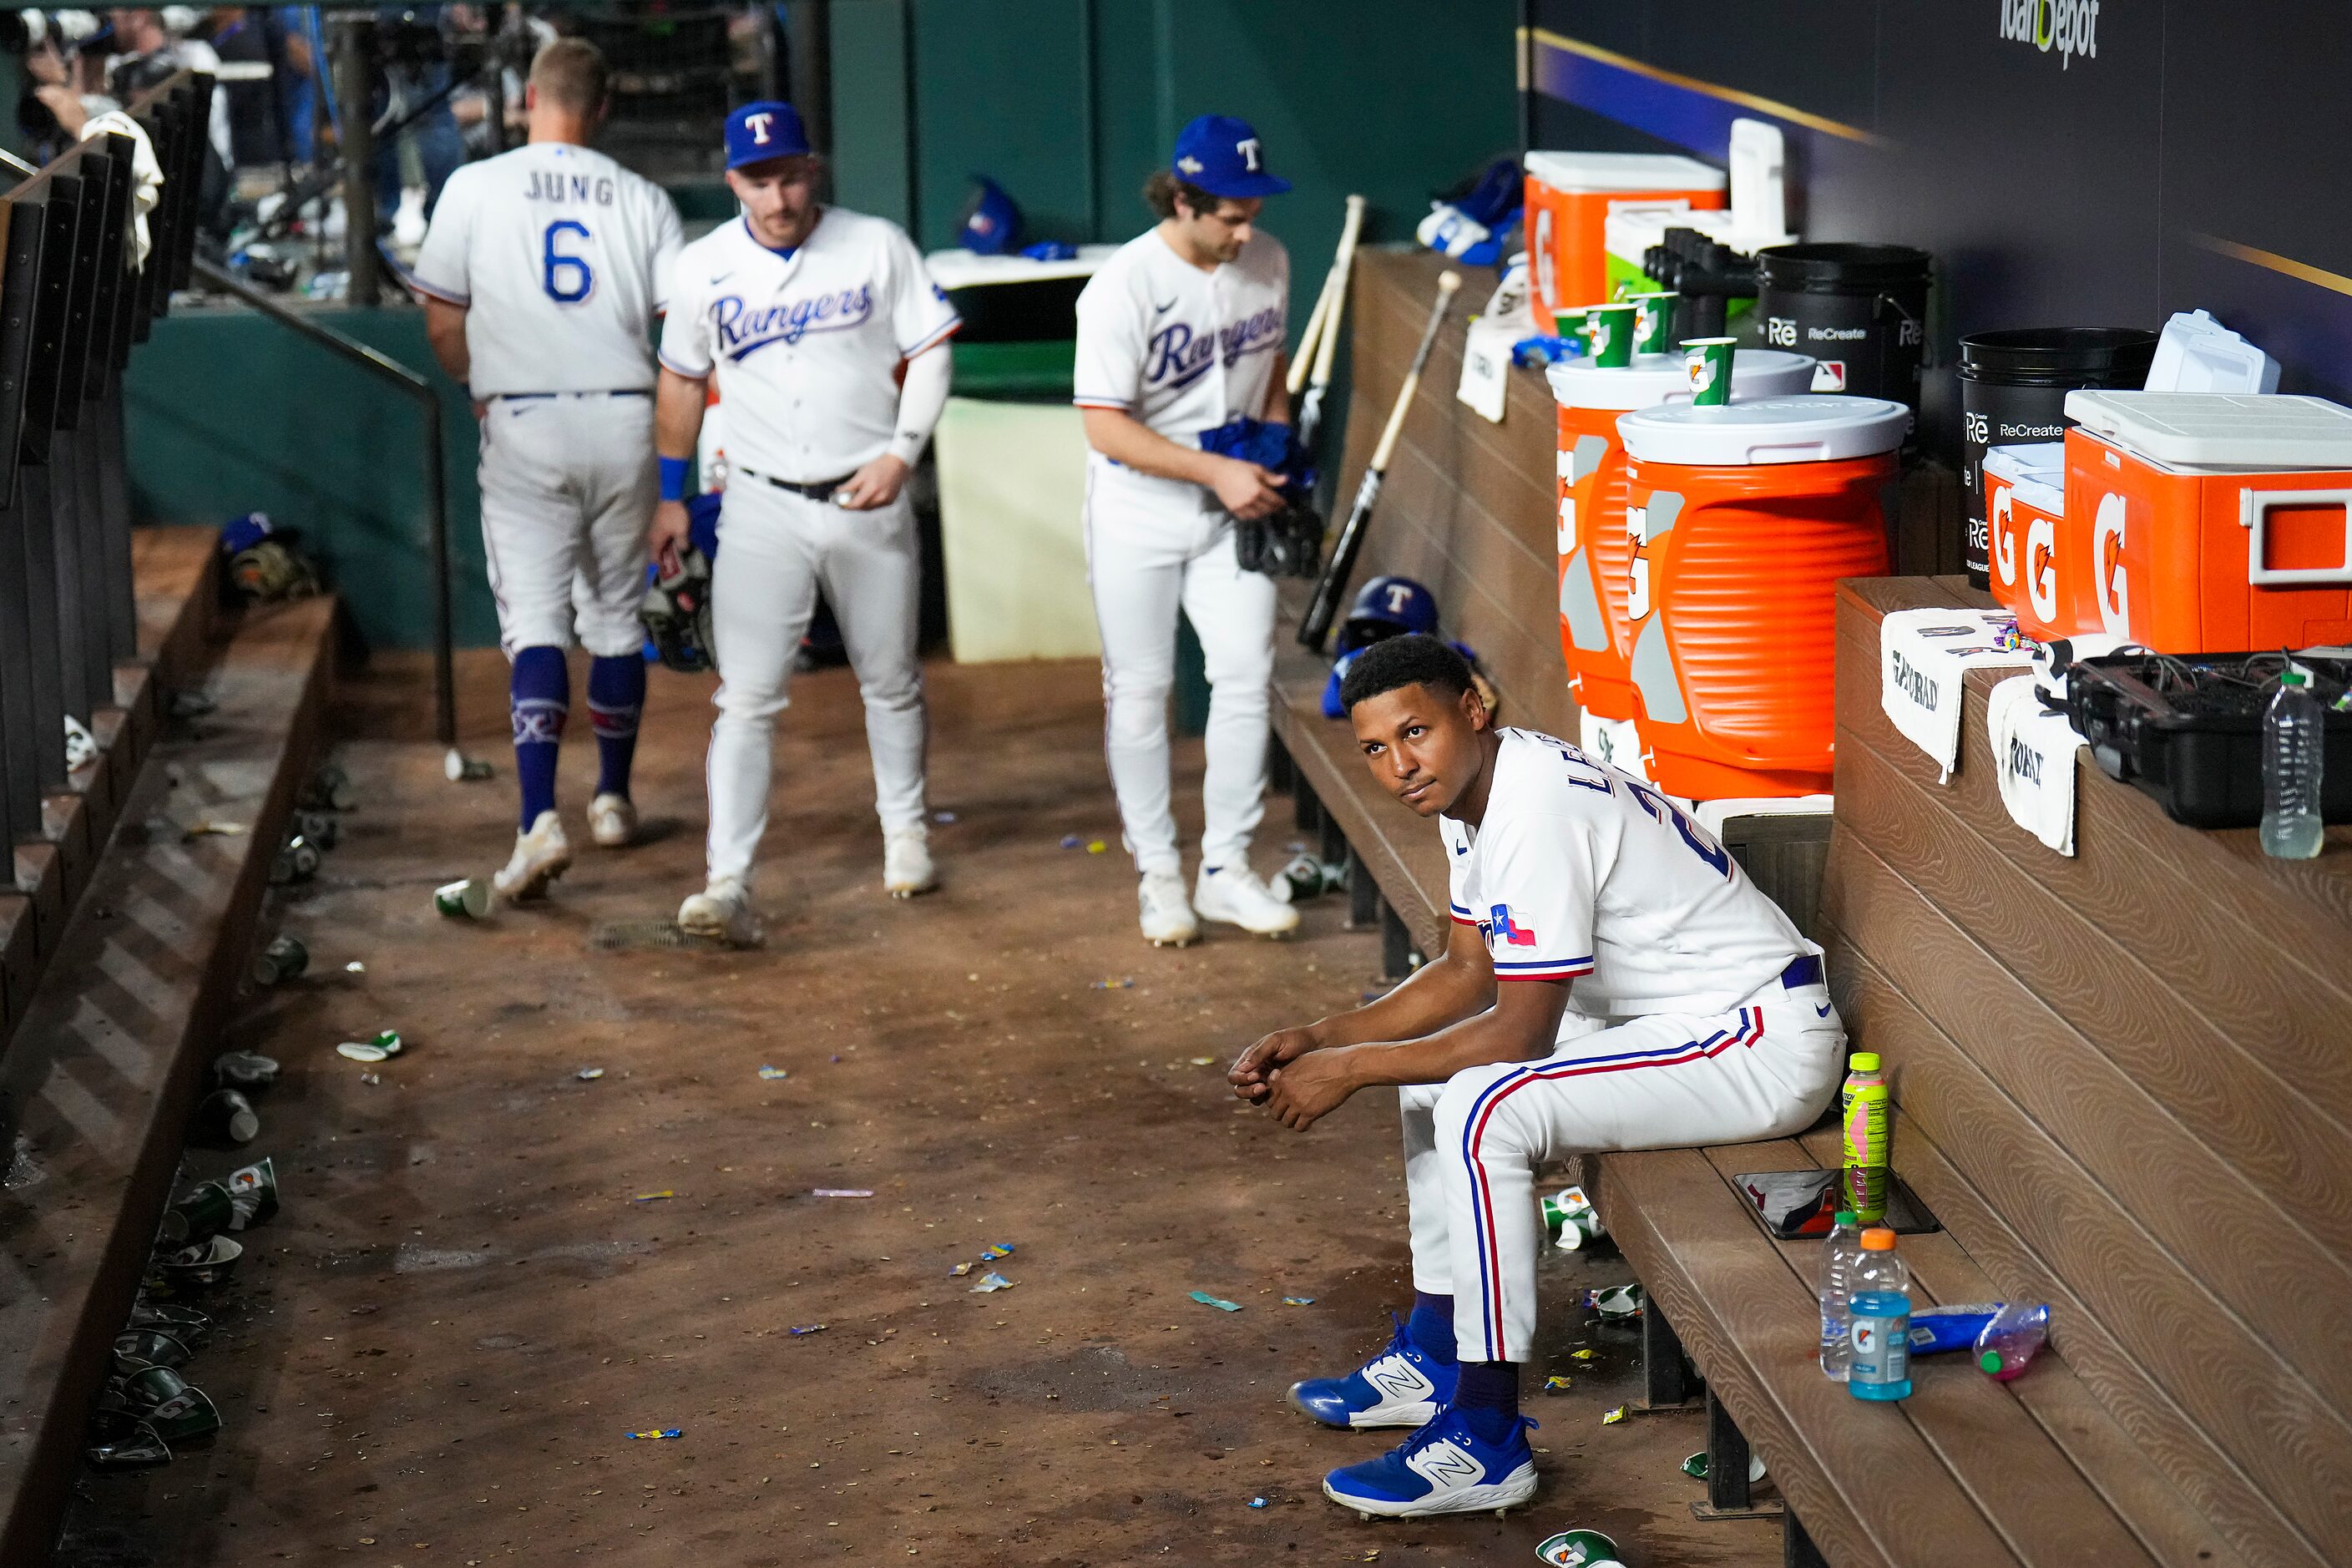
(488, 1271)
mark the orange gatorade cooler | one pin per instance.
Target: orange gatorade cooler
(1594, 633)
(2208, 522)
(1742, 519)
(1569, 195)
(2025, 514)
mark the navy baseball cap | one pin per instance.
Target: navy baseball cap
(759, 131)
(1222, 155)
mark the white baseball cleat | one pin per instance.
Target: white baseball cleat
(1234, 895)
(722, 912)
(1167, 916)
(540, 856)
(611, 821)
(907, 863)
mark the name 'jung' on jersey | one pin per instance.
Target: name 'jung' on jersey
(1176, 358)
(553, 185)
(742, 330)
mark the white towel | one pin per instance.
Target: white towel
(2033, 757)
(1921, 656)
(146, 177)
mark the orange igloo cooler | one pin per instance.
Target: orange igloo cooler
(1595, 635)
(1569, 195)
(2025, 512)
(2210, 523)
(1742, 519)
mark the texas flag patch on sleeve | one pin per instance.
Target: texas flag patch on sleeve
(1510, 926)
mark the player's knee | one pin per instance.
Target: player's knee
(1467, 1099)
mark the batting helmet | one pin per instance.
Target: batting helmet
(990, 225)
(1387, 607)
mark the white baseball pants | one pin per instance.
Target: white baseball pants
(1472, 1144)
(1153, 546)
(568, 486)
(776, 549)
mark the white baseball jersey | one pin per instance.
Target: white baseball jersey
(1581, 873)
(1182, 350)
(563, 259)
(805, 345)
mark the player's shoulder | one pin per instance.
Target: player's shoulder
(1539, 776)
(1124, 271)
(1265, 253)
(721, 246)
(846, 229)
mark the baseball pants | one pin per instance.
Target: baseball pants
(1669, 1081)
(1154, 546)
(568, 486)
(776, 549)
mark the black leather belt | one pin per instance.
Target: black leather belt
(1804, 971)
(816, 489)
(537, 396)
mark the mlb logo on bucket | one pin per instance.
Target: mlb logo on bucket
(1829, 375)
(2070, 28)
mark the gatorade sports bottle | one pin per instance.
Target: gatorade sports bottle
(1879, 1331)
(1862, 1118)
(1839, 1256)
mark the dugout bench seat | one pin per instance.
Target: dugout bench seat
(2045, 1061)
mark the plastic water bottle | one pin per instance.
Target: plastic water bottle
(2294, 742)
(2010, 1341)
(1878, 1333)
(1839, 1256)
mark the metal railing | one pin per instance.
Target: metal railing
(437, 498)
(72, 307)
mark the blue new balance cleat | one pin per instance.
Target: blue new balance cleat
(1445, 1467)
(1401, 1386)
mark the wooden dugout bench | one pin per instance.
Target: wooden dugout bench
(2123, 1082)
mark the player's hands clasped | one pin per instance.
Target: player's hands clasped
(668, 532)
(876, 484)
(1302, 1092)
(1249, 1073)
(1246, 490)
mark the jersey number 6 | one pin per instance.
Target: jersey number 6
(567, 279)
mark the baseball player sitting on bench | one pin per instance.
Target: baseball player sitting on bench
(542, 274)
(1614, 981)
(805, 313)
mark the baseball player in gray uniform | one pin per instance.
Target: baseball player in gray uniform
(542, 274)
(806, 315)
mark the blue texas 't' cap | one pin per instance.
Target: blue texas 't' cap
(759, 131)
(1222, 155)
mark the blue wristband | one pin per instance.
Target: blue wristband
(673, 478)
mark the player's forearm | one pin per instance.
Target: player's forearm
(1124, 439)
(445, 330)
(1278, 392)
(1493, 1035)
(922, 398)
(678, 404)
(1434, 997)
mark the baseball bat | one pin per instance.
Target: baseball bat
(1324, 607)
(1330, 309)
(1302, 360)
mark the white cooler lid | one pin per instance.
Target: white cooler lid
(1661, 378)
(1806, 429)
(2211, 430)
(2036, 473)
(1623, 171)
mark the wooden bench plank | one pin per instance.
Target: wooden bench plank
(2172, 1345)
(1996, 1453)
(1755, 1331)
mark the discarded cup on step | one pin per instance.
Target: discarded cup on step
(117, 1440)
(252, 1193)
(204, 1264)
(245, 1070)
(459, 768)
(323, 828)
(1579, 1549)
(135, 1349)
(1615, 1301)
(297, 862)
(184, 1324)
(330, 789)
(282, 960)
(467, 899)
(170, 1404)
(385, 1046)
(1571, 1218)
(225, 1115)
(1698, 1464)
(201, 1213)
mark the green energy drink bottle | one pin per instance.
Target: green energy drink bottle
(1863, 1129)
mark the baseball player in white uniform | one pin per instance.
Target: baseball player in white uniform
(542, 274)
(805, 315)
(1181, 333)
(1614, 981)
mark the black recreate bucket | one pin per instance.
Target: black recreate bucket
(2014, 388)
(1859, 310)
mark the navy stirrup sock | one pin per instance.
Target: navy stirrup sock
(1487, 1398)
(616, 696)
(1431, 1327)
(542, 697)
